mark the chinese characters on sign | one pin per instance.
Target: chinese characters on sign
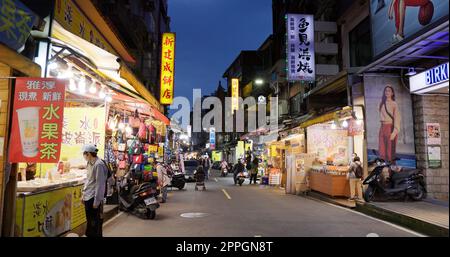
(68, 15)
(83, 125)
(234, 94)
(37, 120)
(212, 138)
(16, 22)
(167, 68)
(300, 47)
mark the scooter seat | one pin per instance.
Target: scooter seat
(404, 174)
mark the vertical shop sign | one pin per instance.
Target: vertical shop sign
(16, 22)
(300, 47)
(167, 68)
(234, 94)
(212, 138)
(37, 120)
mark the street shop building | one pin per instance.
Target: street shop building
(93, 99)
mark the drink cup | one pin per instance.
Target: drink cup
(29, 130)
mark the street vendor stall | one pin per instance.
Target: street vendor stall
(333, 142)
(85, 94)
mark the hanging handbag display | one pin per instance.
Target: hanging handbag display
(138, 158)
(122, 164)
(115, 146)
(121, 147)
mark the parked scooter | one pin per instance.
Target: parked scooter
(400, 184)
(138, 198)
(177, 177)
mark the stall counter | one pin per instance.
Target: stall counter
(49, 209)
(333, 183)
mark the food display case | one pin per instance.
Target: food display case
(330, 180)
(50, 206)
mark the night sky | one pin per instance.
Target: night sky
(210, 35)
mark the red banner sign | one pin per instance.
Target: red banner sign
(37, 120)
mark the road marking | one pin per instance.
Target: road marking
(370, 217)
(216, 180)
(226, 194)
(113, 218)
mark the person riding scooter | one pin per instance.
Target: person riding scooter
(224, 168)
(237, 169)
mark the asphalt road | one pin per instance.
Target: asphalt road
(248, 211)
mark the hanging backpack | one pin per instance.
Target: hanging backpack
(109, 177)
(359, 171)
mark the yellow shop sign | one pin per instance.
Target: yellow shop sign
(71, 18)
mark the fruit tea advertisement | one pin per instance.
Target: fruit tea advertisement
(37, 120)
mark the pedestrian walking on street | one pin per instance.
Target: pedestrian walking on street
(254, 170)
(163, 179)
(354, 176)
(208, 167)
(94, 191)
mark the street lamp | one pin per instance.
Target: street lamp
(259, 82)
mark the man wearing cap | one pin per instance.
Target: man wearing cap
(163, 179)
(94, 191)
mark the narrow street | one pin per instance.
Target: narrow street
(251, 211)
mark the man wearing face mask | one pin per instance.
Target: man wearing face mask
(94, 191)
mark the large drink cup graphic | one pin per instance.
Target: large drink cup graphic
(28, 118)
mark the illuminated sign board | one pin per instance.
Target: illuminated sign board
(167, 68)
(234, 94)
(301, 64)
(433, 79)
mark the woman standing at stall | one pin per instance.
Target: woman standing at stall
(390, 119)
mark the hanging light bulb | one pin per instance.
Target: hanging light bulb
(53, 65)
(82, 85)
(359, 122)
(333, 126)
(69, 73)
(102, 94)
(345, 124)
(72, 85)
(128, 129)
(93, 88)
(121, 126)
(108, 98)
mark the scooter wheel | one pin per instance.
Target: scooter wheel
(419, 195)
(151, 214)
(369, 194)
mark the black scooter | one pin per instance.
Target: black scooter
(400, 185)
(177, 177)
(138, 198)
